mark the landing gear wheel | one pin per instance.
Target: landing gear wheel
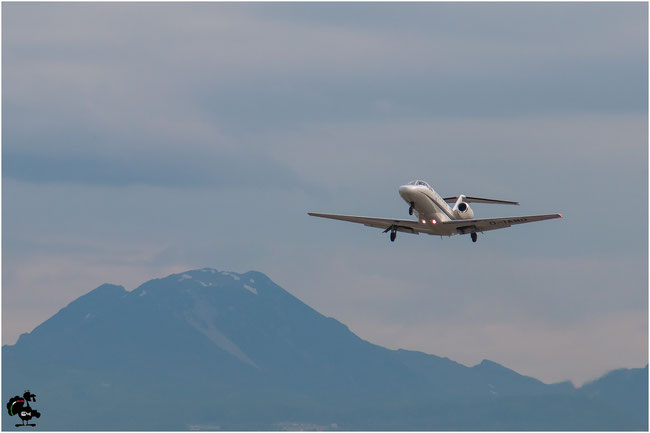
(393, 235)
(474, 237)
(411, 208)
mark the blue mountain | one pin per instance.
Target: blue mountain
(206, 349)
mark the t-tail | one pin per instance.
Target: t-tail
(461, 207)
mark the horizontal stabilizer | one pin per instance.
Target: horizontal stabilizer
(468, 199)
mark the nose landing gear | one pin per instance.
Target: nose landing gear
(474, 237)
(411, 208)
(393, 235)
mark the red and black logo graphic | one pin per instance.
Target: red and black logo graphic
(20, 406)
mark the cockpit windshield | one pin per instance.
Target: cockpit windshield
(419, 182)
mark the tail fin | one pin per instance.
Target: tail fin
(468, 199)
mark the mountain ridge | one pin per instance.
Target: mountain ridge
(248, 344)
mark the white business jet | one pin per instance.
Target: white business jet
(436, 217)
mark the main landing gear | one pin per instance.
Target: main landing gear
(474, 237)
(411, 208)
(393, 232)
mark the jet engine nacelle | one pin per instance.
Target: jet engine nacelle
(462, 209)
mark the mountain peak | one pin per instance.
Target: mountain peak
(103, 293)
(209, 280)
(486, 363)
(109, 289)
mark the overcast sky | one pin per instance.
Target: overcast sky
(145, 139)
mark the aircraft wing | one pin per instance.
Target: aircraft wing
(482, 225)
(408, 226)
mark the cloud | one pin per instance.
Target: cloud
(181, 171)
(84, 103)
(144, 139)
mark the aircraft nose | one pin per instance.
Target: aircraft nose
(404, 190)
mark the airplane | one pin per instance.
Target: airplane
(436, 217)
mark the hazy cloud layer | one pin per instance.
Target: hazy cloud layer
(145, 139)
(201, 78)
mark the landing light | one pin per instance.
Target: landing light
(433, 221)
(424, 221)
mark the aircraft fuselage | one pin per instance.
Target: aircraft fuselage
(430, 207)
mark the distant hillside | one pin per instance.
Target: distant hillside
(219, 350)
